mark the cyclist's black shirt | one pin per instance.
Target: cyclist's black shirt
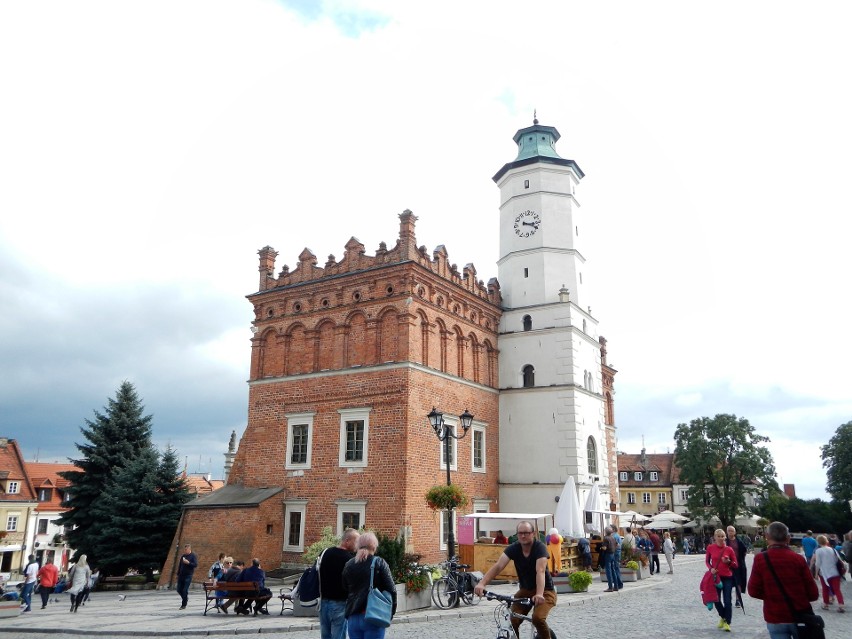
(525, 566)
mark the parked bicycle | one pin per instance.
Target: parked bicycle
(456, 585)
(503, 615)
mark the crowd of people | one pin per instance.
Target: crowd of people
(46, 580)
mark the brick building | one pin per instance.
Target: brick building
(349, 357)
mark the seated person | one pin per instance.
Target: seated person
(500, 538)
(255, 574)
(233, 574)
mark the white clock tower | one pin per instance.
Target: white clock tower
(552, 409)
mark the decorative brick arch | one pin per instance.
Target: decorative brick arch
(443, 338)
(357, 350)
(490, 369)
(425, 330)
(299, 357)
(270, 354)
(388, 335)
(326, 352)
(474, 371)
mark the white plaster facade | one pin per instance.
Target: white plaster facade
(547, 418)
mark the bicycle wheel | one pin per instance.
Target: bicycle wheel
(444, 594)
(469, 598)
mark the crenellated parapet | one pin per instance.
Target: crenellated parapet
(355, 259)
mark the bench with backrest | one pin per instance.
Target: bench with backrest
(244, 590)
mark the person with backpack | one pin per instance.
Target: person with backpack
(216, 572)
(333, 595)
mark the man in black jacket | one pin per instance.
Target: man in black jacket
(333, 596)
(186, 567)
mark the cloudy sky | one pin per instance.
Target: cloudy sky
(149, 149)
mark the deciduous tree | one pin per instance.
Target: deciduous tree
(837, 459)
(722, 460)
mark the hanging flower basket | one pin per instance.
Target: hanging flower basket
(444, 497)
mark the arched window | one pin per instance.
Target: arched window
(527, 323)
(592, 454)
(529, 376)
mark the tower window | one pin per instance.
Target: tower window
(526, 184)
(527, 323)
(529, 376)
(526, 272)
(592, 456)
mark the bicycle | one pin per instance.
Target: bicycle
(455, 586)
(503, 614)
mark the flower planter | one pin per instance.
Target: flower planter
(626, 575)
(563, 585)
(644, 572)
(412, 601)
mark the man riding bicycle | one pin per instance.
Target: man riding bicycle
(530, 557)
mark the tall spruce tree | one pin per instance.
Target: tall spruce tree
(138, 513)
(115, 438)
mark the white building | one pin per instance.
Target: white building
(552, 405)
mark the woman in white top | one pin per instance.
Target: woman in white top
(79, 577)
(668, 550)
(825, 561)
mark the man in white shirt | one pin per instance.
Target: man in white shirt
(30, 573)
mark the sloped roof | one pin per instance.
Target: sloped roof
(46, 475)
(235, 495)
(200, 485)
(662, 463)
(12, 469)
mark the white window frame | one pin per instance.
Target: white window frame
(441, 519)
(480, 506)
(352, 415)
(299, 419)
(631, 498)
(13, 487)
(351, 506)
(684, 494)
(661, 498)
(637, 476)
(477, 428)
(46, 525)
(452, 424)
(292, 506)
(646, 498)
(655, 476)
(623, 475)
(12, 523)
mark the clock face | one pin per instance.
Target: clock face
(527, 223)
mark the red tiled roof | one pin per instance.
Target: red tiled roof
(12, 468)
(46, 475)
(662, 463)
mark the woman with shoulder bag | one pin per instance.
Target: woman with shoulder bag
(825, 560)
(79, 577)
(361, 574)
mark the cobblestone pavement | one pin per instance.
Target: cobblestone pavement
(662, 607)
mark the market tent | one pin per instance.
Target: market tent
(593, 507)
(669, 515)
(568, 518)
(663, 524)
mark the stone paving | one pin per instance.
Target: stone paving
(662, 607)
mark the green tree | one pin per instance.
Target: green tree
(138, 514)
(114, 438)
(837, 459)
(721, 460)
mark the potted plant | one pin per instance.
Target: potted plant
(579, 581)
(630, 571)
(413, 584)
(445, 497)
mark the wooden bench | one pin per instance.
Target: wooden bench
(244, 590)
(285, 594)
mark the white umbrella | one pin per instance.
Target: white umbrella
(593, 505)
(568, 518)
(663, 524)
(634, 516)
(668, 515)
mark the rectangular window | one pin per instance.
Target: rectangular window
(631, 498)
(299, 453)
(526, 272)
(637, 476)
(13, 487)
(294, 525)
(445, 530)
(684, 494)
(351, 513)
(354, 441)
(300, 428)
(646, 498)
(453, 445)
(354, 436)
(662, 498)
(654, 476)
(12, 523)
(45, 494)
(42, 527)
(477, 446)
(622, 476)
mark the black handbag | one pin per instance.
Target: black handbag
(808, 624)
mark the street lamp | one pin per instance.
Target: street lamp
(444, 433)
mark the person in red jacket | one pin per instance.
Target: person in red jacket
(793, 573)
(721, 560)
(48, 575)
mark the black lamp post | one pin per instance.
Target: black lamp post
(444, 433)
